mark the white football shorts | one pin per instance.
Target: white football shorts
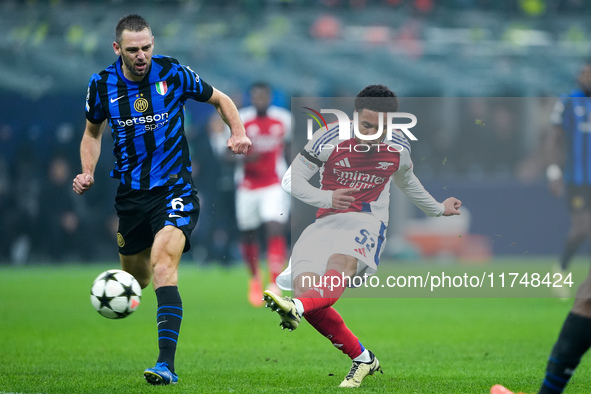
(257, 206)
(356, 234)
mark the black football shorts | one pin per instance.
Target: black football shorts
(142, 213)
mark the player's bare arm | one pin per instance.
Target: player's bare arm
(238, 142)
(452, 206)
(343, 198)
(90, 150)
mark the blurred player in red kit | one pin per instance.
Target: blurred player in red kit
(260, 199)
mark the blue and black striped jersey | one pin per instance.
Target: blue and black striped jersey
(147, 120)
(573, 113)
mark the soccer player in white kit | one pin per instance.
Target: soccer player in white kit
(260, 199)
(349, 233)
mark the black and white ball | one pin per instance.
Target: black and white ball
(115, 294)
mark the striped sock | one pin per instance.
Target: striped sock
(169, 316)
(574, 340)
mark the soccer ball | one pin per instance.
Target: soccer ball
(115, 294)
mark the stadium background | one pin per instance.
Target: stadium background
(490, 69)
(484, 73)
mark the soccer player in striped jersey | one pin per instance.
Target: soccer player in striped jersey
(572, 135)
(141, 97)
(348, 236)
(260, 199)
(570, 160)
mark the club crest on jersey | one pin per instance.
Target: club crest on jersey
(161, 88)
(141, 104)
(383, 165)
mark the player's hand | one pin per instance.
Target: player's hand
(556, 187)
(342, 198)
(239, 144)
(82, 183)
(452, 206)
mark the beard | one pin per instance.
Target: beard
(131, 67)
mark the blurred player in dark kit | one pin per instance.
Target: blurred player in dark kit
(571, 145)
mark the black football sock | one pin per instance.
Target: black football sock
(169, 316)
(574, 340)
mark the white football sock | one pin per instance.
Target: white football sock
(364, 357)
(299, 306)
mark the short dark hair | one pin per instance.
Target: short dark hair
(261, 85)
(376, 98)
(132, 22)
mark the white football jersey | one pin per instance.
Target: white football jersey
(348, 164)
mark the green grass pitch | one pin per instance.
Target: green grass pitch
(53, 341)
